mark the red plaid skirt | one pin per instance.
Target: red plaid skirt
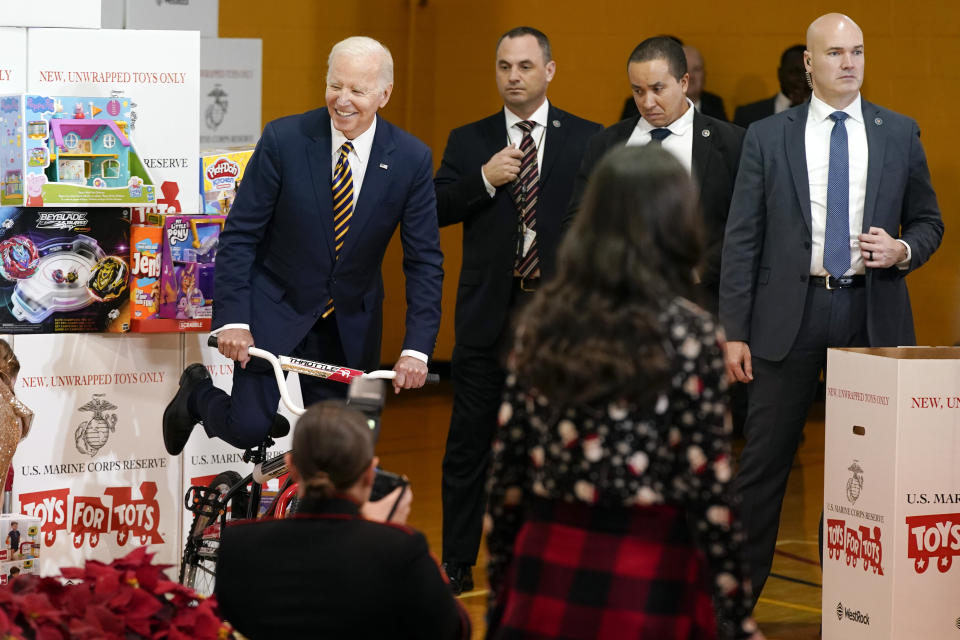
(581, 572)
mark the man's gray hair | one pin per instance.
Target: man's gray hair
(362, 46)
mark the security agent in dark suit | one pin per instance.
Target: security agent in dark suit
(793, 90)
(833, 207)
(342, 567)
(298, 268)
(709, 148)
(709, 104)
(491, 171)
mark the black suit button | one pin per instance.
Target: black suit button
(806, 245)
(803, 278)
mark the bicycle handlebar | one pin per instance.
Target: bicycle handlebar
(317, 369)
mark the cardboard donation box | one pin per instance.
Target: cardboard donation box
(13, 61)
(892, 494)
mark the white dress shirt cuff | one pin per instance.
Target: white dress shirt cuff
(905, 263)
(240, 325)
(491, 190)
(422, 357)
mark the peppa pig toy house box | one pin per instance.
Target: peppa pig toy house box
(58, 151)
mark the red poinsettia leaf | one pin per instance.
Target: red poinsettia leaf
(108, 620)
(142, 605)
(136, 558)
(106, 583)
(38, 609)
(49, 632)
(121, 598)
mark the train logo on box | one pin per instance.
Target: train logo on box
(91, 435)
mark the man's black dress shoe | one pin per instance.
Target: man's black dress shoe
(461, 577)
(178, 420)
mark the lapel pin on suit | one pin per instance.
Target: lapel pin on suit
(556, 123)
(878, 121)
(383, 166)
(705, 133)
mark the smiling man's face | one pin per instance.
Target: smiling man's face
(354, 93)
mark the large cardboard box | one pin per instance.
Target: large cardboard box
(13, 60)
(174, 14)
(82, 14)
(93, 469)
(160, 70)
(892, 494)
(231, 81)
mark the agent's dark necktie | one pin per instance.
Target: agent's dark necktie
(836, 240)
(657, 135)
(526, 189)
(342, 189)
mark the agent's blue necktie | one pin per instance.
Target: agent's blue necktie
(836, 241)
(657, 135)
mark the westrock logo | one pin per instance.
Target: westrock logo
(91, 435)
(855, 616)
(854, 483)
(116, 511)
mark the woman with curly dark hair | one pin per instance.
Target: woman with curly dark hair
(610, 505)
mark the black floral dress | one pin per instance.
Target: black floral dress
(616, 521)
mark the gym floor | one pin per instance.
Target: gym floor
(412, 442)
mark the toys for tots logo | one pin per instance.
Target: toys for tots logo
(933, 537)
(854, 545)
(116, 511)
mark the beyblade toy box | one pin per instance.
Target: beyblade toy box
(66, 151)
(64, 270)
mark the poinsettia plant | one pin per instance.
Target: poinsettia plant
(126, 599)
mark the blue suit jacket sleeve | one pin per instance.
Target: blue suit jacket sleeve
(422, 259)
(245, 228)
(920, 220)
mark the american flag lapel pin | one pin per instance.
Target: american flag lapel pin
(383, 166)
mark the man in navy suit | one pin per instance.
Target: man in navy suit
(487, 183)
(793, 90)
(833, 207)
(707, 147)
(299, 264)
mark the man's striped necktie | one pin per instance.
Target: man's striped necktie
(342, 190)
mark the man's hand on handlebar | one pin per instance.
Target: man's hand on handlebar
(380, 510)
(411, 373)
(234, 344)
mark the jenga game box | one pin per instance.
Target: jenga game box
(64, 270)
(173, 257)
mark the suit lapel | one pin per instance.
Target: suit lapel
(555, 137)
(876, 146)
(375, 181)
(319, 160)
(702, 133)
(794, 135)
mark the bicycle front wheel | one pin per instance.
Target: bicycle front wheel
(199, 563)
